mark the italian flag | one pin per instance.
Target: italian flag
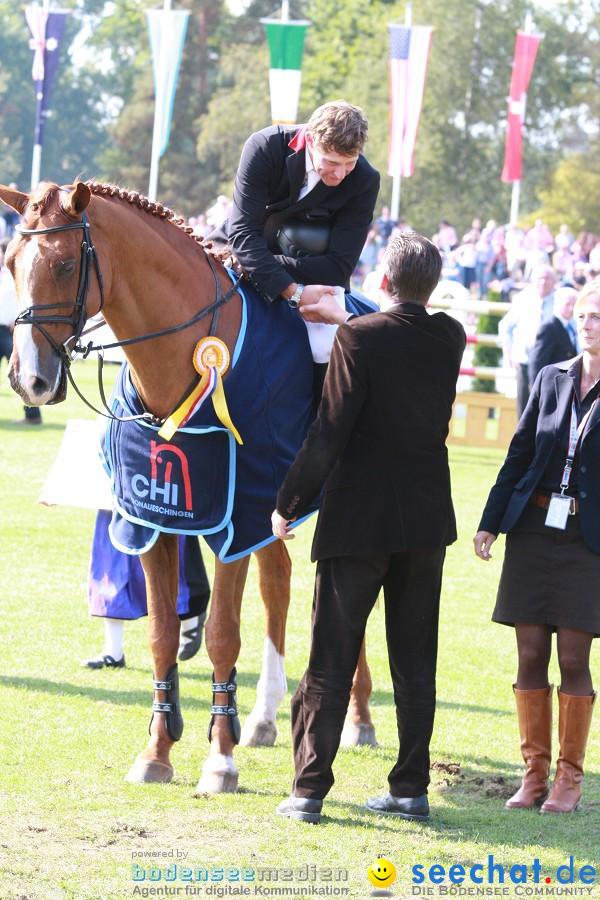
(286, 45)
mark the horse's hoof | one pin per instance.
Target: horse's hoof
(144, 771)
(219, 776)
(358, 735)
(258, 734)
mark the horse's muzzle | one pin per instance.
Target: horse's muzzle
(35, 389)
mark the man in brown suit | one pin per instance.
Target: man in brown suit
(377, 447)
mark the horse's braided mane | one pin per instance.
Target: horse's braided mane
(137, 199)
(46, 191)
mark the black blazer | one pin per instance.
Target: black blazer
(267, 184)
(553, 344)
(540, 427)
(378, 443)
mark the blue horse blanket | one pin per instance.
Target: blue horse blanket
(202, 481)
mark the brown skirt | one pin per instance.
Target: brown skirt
(549, 577)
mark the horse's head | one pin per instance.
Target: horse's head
(50, 260)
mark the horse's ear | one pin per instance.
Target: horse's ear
(77, 200)
(17, 200)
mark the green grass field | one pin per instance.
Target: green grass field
(70, 825)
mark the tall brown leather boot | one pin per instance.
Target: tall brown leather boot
(534, 709)
(574, 719)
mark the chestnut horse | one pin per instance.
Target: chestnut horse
(91, 247)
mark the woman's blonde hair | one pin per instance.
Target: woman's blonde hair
(592, 287)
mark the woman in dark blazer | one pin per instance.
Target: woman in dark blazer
(547, 499)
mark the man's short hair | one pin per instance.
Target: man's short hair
(340, 127)
(413, 266)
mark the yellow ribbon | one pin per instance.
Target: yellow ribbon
(173, 422)
(220, 405)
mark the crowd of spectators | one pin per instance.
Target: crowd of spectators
(503, 256)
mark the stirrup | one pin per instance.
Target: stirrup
(228, 709)
(170, 707)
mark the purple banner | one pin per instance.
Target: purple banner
(55, 27)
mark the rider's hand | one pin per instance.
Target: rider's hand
(319, 304)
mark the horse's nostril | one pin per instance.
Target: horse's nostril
(39, 386)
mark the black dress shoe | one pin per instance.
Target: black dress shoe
(404, 807)
(98, 662)
(305, 809)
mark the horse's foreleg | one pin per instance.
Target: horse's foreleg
(358, 727)
(219, 773)
(160, 565)
(274, 574)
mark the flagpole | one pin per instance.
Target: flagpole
(36, 161)
(397, 179)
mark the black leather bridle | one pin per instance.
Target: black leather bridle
(77, 319)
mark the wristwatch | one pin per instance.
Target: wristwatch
(294, 300)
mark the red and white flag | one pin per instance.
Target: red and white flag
(525, 51)
(36, 19)
(409, 52)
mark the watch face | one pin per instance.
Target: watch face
(293, 302)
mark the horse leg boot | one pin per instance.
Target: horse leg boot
(161, 569)
(574, 720)
(274, 576)
(219, 773)
(534, 709)
(359, 730)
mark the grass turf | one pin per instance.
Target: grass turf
(70, 826)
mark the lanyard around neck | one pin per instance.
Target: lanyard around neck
(575, 432)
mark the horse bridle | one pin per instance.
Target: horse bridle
(77, 319)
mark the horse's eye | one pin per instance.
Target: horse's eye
(65, 267)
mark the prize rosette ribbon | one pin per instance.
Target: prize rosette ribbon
(211, 361)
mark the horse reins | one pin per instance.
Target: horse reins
(77, 319)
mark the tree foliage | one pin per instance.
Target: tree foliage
(103, 100)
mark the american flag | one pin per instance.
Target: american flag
(409, 52)
(525, 53)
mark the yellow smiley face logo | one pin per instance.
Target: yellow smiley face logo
(382, 873)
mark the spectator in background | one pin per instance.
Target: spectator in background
(384, 225)
(446, 238)
(594, 259)
(518, 328)
(556, 340)
(562, 262)
(483, 258)
(515, 251)
(11, 217)
(564, 238)
(368, 257)
(466, 257)
(9, 308)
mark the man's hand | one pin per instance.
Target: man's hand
(281, 526)
(319, 304)
(482, 542)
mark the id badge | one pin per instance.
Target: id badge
(558, 511)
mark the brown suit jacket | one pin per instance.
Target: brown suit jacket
(378, 444)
